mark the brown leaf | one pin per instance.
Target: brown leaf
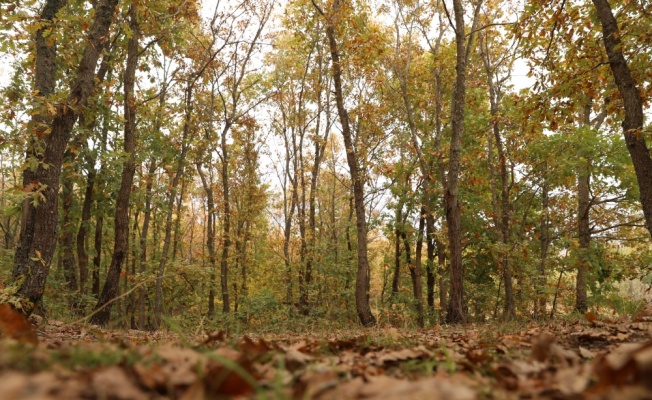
(590, 316)
(212, 338)
(477, 355)
(221, 380)
(252, 350)
(541, 346)
(630, 363)
(14, 324)
(387, 388)
(113, 383)
(586, 353)
(314, 383)
(294, 359)
(403, 355)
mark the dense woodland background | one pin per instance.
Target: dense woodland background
(257, 164)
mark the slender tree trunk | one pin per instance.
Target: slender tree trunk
(226, 223)
(319, 148)
(121, 220)
(287, 232)
(243, 265)
(349, 244)
(144, 233)
(300, 199)
(544, 239)
(418, 285)
(172, 195)
(67, 231)
(82, 233)
(430, 266)
(443, 279)
(210, 238)
(132, 305)
(408, 259)
(397, 251)
(633, 104)
(177, 222)
(97, 259)
(502, 227)
(39, 224)
(89, 161)
(362, 288)
(583, 224)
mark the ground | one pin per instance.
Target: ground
(586, 358)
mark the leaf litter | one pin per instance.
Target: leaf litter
(586, 359)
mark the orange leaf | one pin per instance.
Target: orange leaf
(14, 324)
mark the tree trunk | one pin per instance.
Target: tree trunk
(82, 252)
(418, 285)
(361, 288)
(226, 223)
(397, 251)
(633, 123)
(121, 220)
(172, 195)
(89, 160)
(97, 259)
(67, 231)
(430, 266)
(177, 222)
(319, 147)
(287, 232)
(210, 237)
(39, 223)
(144, 233)
(443, 279)
(456, 305)
(132, 305)
(583, 224)
(541, 302)
(502, 225)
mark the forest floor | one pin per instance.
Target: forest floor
(583, 359)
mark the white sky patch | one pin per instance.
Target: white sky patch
(520, 78)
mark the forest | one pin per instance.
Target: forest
(382, 167)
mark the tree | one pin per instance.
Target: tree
(51, 133)
(632, 103)
(121, 219)
(334, 18)
(456, 306)
(502, 223)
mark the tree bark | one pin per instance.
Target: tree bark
(632, 102)
(39, 223)
(121, 221)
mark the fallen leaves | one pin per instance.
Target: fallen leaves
(582, 360)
